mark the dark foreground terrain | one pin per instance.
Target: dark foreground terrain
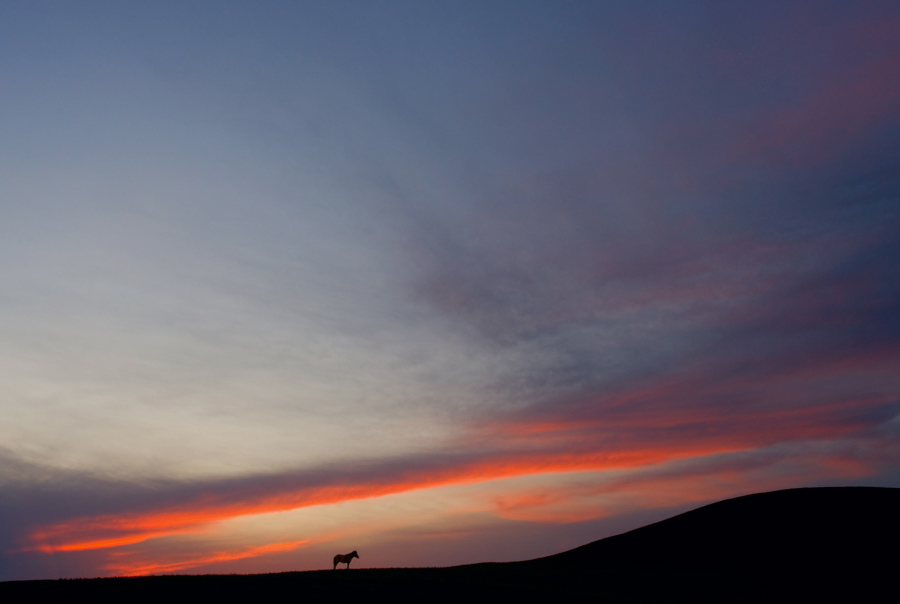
(799, 545)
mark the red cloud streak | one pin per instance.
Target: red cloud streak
(149, 568)
(107, 531)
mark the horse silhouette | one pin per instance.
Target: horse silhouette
(344, 558)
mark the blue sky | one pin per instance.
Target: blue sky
(442, 283)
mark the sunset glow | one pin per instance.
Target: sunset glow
(443, 283)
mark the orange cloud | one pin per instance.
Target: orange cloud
(149, 568)
(106, 531)
(620, 440)
(129, 539)
(561, 506)
(747, 428)
(568, 503)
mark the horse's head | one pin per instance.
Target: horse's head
(353, 554)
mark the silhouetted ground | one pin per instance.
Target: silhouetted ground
(801, 545)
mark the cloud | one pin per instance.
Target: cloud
(134, 567)
(636, 430)
(682, 482)
(374, 269)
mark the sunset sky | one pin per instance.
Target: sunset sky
(440, 282)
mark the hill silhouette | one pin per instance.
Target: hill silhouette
(817, 526)
(797, 544)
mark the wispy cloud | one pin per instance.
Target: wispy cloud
(132, 568)
(347, 257)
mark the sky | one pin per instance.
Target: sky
(439, 282)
